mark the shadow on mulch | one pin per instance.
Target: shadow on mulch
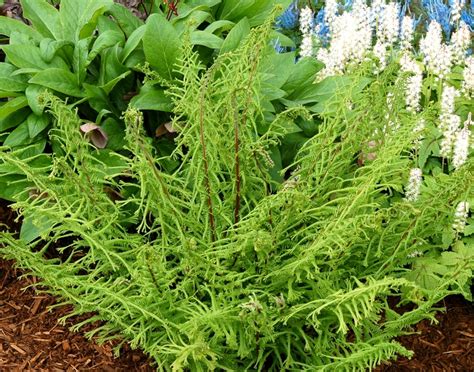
(30, 337)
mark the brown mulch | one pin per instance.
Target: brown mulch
(32, 339)
(445, 347)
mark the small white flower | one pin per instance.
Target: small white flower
(449, 125)
(306, 20)
(306, 47)
(461, 146)
(330, 12)
(436, 55)
(412, 191)
(406, 32)
(418, 130)
(380, 52)
(456, 8)
(447, 99)
(415, 254)
(468, 77)
(460, 41)
(460, 216)
(389, 27)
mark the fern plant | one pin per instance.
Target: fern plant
(216, 265)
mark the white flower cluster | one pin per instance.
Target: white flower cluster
(418, 130)
(388, 27)
(449, 122)
(461, 146)
(460, 216)
(351, 38)
(460, 41)
(330, 12)
(413, 84)
(456, 7)
(414, 183)
(468, 77)
(436, 54)
(406, 32)
(306, 28)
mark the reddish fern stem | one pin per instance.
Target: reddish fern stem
(237, 160)
(206, 166)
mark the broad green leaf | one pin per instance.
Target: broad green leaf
(43, 16)
(219, 25)
(115, 133)
(112, 83)
(9, 82)
(111, 67)
(151, 98)
(36, 124)
(49, 48)
(29, 57)
(19, 136)
(127, 21)
(14, 119)
(12, 185)
(238, 33)
(191, 22)
(302, 74)
(426, 149)
(132, 42)
(80, 59)
(206, 39)
(161, 44)
(79, 17)
(13, 105)
(33, 228)
(32, 94)
(59, 80)
(106, 40)
(9, 25)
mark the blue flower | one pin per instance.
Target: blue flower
(323, 28)
(289, 18)
(439, 12)
(468, 18)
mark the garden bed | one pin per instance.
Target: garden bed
(31, 338)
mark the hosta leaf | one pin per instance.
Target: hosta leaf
(13, 105)
(132, 42)
(33, 228)
(59, 80)
(9, 82)
(49, 48)
(125, 18)
(206, 39)
(36, 124)
(19, 136)
(105, 40)
(29, 57)
(151, 98)
(235, 36)
(32, 94)
(162, 45)
(79, 17)
(9, 25)
(43, 16)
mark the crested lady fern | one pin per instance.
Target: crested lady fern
(216, 265)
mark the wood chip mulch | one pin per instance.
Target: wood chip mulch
(32, 339)
(445, 347)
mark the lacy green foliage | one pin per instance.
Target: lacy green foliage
(217, 266)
